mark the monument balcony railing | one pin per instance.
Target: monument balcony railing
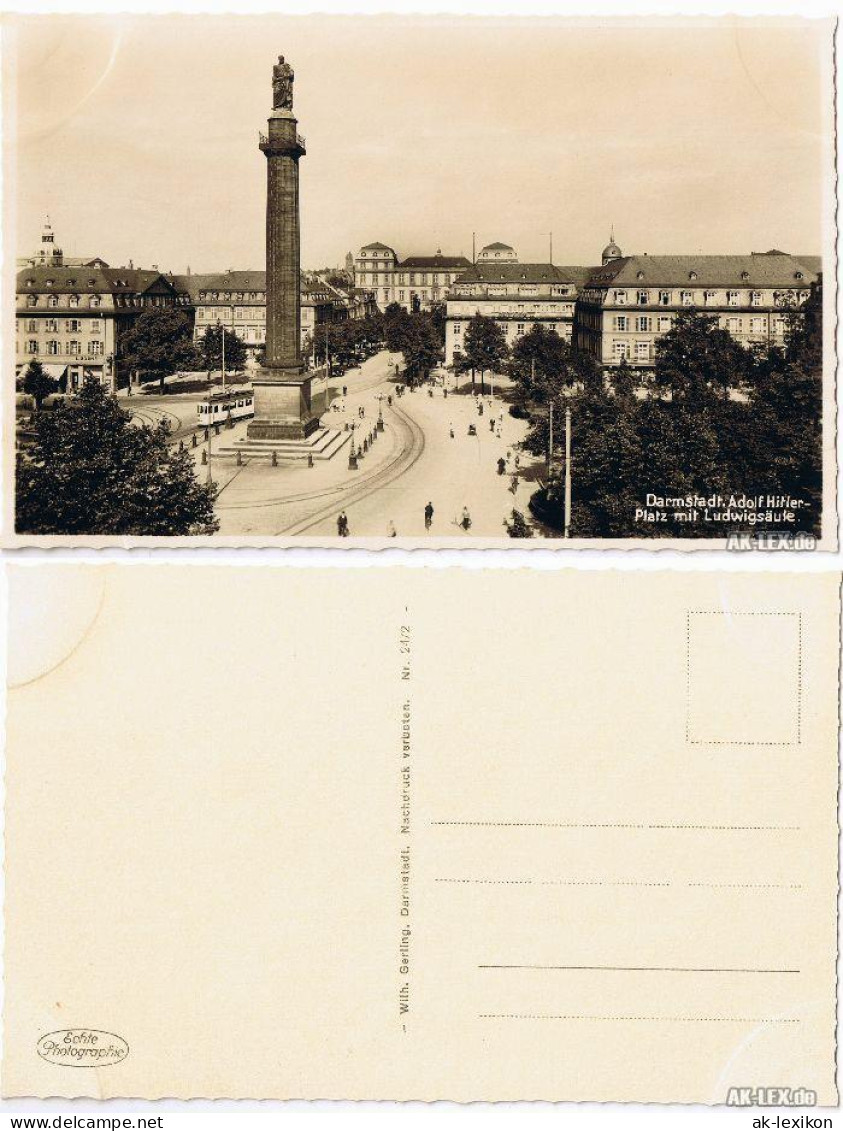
(264, 141)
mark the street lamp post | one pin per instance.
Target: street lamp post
(567, 473)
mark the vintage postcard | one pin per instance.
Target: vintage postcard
(419, 281)
(326, 855)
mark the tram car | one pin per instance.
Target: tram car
(219, 408)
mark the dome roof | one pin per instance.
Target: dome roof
(612, 251)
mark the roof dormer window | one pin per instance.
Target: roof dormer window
(799, 275)
(640, 275)
(692, 274)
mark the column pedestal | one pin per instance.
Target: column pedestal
(282, 406)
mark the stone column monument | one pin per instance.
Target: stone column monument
(282, 391)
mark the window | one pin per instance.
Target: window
(95, 325)
(757, 325)
(644, 322)
(95, 300)
(621, 350)
(95, 349)
(32, 300)
(642, 351)
(457, 327)
(200, 314)
(32, 325)
(732, 298)
(73, 300)
(665, 324)
(686, 298)
(400, 296)
(709, 297)
(32, 346)
(755, 298)
(52, 300)
(734, 325)
(520, 328)
(73, 325)
(52, 346)
(664, 298)
(621, 322)
(642, 298)
(74, 348)
(620, 298)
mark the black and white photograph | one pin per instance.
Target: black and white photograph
(445, 281)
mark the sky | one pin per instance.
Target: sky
(138, 135)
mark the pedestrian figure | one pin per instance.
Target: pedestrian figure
(428, 516)
(465, 521)
(345, 390)
(491, 425)
(389, 400)
(480, 409)
(445, 392)
(451, 426)
(391, 532)
(501, 465)
(342, 525)
(517, 461)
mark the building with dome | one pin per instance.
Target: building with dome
(416, 283)
(628, 303)
(50, 254)
(611, 250)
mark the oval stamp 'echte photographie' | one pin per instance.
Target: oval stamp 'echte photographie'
(82, 1048)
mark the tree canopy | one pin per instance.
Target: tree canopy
(211, 350)
(37, 383)
(158, 344)
(714, 419)
(91, 471)
(484, 346)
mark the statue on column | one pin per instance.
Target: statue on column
(282, 85)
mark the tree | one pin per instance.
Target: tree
(540, 365)
(484, 346)
(159, 344)
(397, 323)
(689, 435)
(422, 350)
(91, 471)
(211, 350)
(697, 359)
(37, 383)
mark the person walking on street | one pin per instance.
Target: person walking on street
(451, 426)
(391, 532)
(428, 516)
(465, 521)
(342, 525)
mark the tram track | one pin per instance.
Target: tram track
(355, 493)
(152, 415)
(399, 463)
